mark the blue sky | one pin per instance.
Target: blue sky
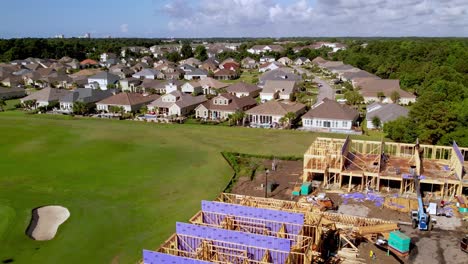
(234, 18)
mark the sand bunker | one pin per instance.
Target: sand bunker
(46, 221)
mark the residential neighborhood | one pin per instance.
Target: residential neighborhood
(148, 87)
(234, 132)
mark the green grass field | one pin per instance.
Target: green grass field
(125, 183)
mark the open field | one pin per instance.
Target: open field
(125, 183)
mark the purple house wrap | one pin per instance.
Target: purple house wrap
(255, 245)
(152, 257)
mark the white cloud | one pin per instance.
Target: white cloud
(124, 28)
(318, 18)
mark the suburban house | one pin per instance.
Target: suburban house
(172, 85)
(121, 71)
(211, 86)
(149, 85)
(191, 61)
(46, 96)
(385, 113)
(301, 61)
(225, 74)
(270, 113)
(285, 61)
(102, 80)
(175, 103)
(88, 63)
(265, 59)
(192, 87)
(259, 49)
(370, 89)
(130, 102)
(210, 64)
(331, 116)
(269, 66)
(129, 84)
(249, 63)
(192, 73)
(353, 76)
(242, 89)
(107, 56)
(148, 74)
(14, 92)
(222, 106)
(84, 95)
(278, 90)
(230, 65)
(284, 73)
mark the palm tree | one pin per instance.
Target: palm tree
(288, 118)
(237, 117)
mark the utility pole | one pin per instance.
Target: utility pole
(266, 182)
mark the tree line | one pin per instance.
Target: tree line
(436, 70)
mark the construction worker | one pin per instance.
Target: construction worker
(371, 253)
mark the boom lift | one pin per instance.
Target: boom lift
(419, 218)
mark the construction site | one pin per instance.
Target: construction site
(358, 165)
(396, 182)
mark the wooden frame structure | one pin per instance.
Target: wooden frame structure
(226, 252)
(361, 165)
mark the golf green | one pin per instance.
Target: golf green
(125, 183)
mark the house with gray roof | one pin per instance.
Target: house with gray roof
(46, 96)
(193, 73)
(148, 74)
(102, 80)
(84, 95)
(330, 116)
(282, 89)
(242, 89)
(385, 113)
(13, 92)
(281, 74)
(175, 103)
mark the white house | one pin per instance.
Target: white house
(269, 66)
(46, 96)
(242, 89)
(103, 79)
(192, 87)
(266, 59)
(301, 61)
(285, 61)
(278, 90)
(259, 49)
(172, 85)
(148, 74)
(330, 115)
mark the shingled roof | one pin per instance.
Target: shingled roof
(242, 87)
(330, 109)
(128, 99)
(276, 108)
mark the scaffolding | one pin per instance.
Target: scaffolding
(370, 165)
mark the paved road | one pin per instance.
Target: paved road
(325, 91)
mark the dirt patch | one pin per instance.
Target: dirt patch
(354, 209)
(285, 176)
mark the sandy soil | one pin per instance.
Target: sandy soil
(46, 221)
(286, 175)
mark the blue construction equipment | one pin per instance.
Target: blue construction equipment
(419, 218)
